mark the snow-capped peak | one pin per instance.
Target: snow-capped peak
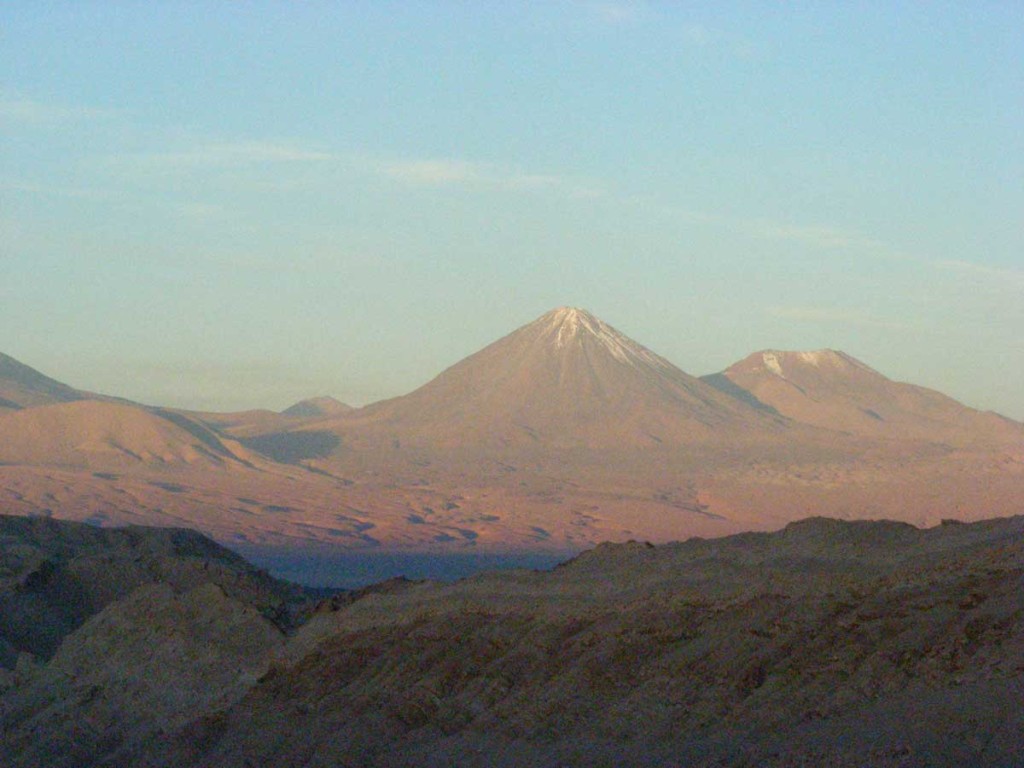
(778, 362)
(568, 325)
(771, 362)
(568, 320)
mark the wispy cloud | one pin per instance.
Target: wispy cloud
(821, 236)
(450, 172)
(197, 211)
(221, 155)
(1002, 276)
(435, 172)
(828, 237)
(49, 190)
(696, 35)
(20, 111)
(621, 12)
(833, 315)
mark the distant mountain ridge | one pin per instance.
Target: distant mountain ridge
(569, 378)
(830, 389)
(566, 379)
(557, 436)
(316, 407)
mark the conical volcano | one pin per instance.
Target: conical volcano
(567, 379)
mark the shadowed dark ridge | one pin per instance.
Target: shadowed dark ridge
(55, 574)
(198, 431)
(293, 447)
(723, 384)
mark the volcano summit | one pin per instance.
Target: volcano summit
(567, 379)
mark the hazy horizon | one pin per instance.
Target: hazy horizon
(229, 207)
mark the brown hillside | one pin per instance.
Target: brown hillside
(98, 434)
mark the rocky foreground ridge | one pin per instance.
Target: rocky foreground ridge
(54, 575)
(827, 643)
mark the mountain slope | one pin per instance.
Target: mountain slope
(830, 389)
(25, 387)
(565, 380)
(97, 434)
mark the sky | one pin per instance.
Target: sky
(236, 205)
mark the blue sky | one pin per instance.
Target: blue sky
(230, 205)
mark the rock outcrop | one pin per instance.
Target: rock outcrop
(55, 574)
